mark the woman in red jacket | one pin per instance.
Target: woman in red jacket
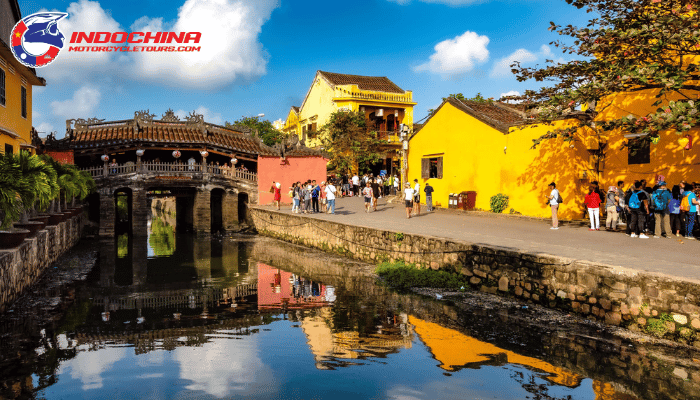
(592, 201)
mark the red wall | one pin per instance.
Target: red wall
(64, 157)
(293, 169)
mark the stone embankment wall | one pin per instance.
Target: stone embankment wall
(20, 267)
(640, 301)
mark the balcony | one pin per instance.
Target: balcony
(341, 94)
(391, 137)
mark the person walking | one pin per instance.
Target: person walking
(611, 203)
(395, 180)
(662, 221)
(408, 197)
(330, 197)
(295, 198)
(277, 194)
(638, 206)
(367, 194)
(553, 201)
(690, 202)
(592, 202)
(315, 193)
(429, 196)
(674, 210)
(376, 194)
(355, 185)
(416, 197)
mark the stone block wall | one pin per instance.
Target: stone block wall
(202, 211)
(660, 305)
(20, 267)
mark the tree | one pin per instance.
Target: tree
(349, 143)
(260, 128)
(633, 47)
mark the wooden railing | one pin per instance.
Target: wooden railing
(392, 97)
(109, 170)
(389, 136)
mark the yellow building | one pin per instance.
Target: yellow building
(16, 83)
(470, 146)
(385, 105)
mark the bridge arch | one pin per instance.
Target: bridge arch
(123, 210)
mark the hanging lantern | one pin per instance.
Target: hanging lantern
(176, 153)
(655, 140)
(684, 142)
(689, 145)
(140, 152)
(234, 161)
(105, 157)
(204, 153)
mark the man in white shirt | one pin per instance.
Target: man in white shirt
(554, 204)
(355, 185)
(416, 197)
(330, 197)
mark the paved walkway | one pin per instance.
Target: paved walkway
(673, 257)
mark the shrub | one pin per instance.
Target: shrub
(499, 203)
(402, 276)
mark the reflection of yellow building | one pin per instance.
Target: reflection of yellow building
(327, 345)
(16, 83)
(455, 350)
(384, 104)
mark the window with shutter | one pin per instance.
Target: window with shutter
(439, 168)
(425, 168)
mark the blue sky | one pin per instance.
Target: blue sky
(260, 56)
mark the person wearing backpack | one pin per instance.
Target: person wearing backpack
(689, 204)
(674, 211)
(553, 200)
(638, 205)
(661, 198)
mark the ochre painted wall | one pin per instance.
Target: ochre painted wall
(474, 159)
(292, 170)
(11, 114)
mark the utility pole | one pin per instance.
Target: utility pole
(405, 134)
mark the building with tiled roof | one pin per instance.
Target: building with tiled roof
(385, 105)
(16, 83)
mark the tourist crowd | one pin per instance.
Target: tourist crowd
(644, 210)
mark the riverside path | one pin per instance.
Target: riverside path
(674, 257)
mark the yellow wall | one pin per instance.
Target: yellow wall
(11, 114)
(291, 124)
(474, 159)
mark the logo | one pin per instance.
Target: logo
(36, 39)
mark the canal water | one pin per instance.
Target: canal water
(172, 316)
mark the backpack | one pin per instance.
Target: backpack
(559, 199)
(634, 200)
(685, 204)
(658, 199)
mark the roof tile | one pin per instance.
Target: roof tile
(378, 83)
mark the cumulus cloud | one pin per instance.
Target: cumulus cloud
(209, 116)
(502, 66)
(230, 50)
(457, 56)
(84, 101)
(83, 16)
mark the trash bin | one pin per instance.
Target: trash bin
(468, 200)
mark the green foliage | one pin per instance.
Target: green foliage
(261, 128)
(631, 46)
(499, 203)
(657, 326)
(398, 236)
(402, 276)
(349, 142)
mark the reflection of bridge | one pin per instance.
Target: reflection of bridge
(192, 298)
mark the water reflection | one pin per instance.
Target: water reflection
(255, 318)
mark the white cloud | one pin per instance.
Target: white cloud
(230, 50)
(85, 100)
(209, 116)
(83, 16)
(88, 366)
(457, 56)
(502, 66)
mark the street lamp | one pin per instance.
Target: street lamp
(405, 130)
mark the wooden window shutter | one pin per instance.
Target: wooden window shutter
(439, 168)
(425, 168)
